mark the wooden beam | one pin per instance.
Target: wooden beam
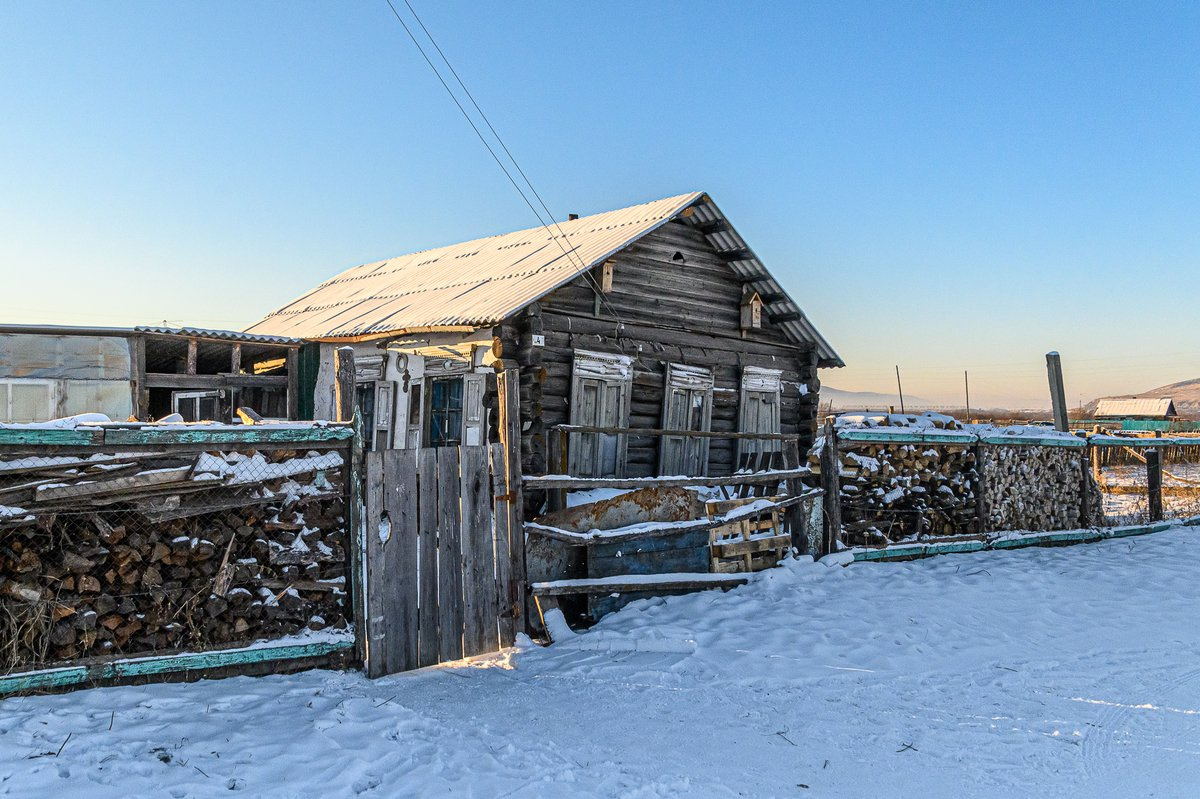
(1154, 483)
(343, 387)
(513, 616)
(738, 254)
(235, 358)
(191, 356)
(218, 381)
(293, 384)
(654, 431)
(633, 582)
(715, 226)
(580, 483)
(831, 484)
(140, 396)
(1058, 398)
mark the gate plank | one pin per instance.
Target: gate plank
(479, 575)
(400, 562)
(449, 570)
(376, 621)
(500, 503)
(427, 529)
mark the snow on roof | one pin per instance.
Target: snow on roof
(480, 282)
(1157, 407)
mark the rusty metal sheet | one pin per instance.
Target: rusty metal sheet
(635, 507)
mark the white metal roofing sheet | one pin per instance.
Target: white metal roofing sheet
(483, 281)
(1135, 406)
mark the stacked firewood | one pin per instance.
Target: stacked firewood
(147, 554)
(1038, 488)
(897, 492)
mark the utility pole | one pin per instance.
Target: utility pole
(900, 388)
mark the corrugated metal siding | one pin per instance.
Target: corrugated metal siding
(483, 281)
(227, 335)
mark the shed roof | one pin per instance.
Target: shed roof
(1123, 407)
(483, 281)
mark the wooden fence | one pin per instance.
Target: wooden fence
(444, 556)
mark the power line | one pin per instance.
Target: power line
(567, 252)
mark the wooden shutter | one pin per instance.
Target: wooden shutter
(601, 385)
(759, 408)
(473, 388)
(687, 405)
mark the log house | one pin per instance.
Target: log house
(654, 316)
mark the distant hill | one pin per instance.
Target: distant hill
(1186, 395)
(868, 400)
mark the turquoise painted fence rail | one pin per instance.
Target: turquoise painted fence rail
(1011, 540)
(101, 435)
(69, 676)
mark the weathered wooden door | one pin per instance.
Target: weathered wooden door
(439, 543)
(687, 405)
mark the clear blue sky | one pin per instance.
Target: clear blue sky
(944, 186)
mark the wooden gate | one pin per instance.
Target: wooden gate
(442, 537)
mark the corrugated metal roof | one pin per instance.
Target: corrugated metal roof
(228, 335)
(483, 281)
(1120, 407)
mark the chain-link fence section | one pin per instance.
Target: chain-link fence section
(135, 551)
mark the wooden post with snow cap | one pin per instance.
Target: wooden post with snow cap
(1058, 396)
(831, 502)
(343, 384)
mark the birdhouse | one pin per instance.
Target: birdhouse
(752, 307)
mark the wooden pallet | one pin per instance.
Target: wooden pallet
(751, 543)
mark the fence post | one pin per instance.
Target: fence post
(1154, 482)
(831, 502)
(981, 508)
(1085, 487)
(343, 386)
(1058, 397)
(509, 388)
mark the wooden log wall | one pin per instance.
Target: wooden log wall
(674, 300)
(154, 550)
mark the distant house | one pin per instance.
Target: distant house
(51, 371)
(1136, 408)
(654, 316)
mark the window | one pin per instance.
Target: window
(600, 392)
(759, 409)
(24, 401)
(198, 406)
(687, 405)
(445, 412)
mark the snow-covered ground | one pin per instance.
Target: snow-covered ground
(1036, 672)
